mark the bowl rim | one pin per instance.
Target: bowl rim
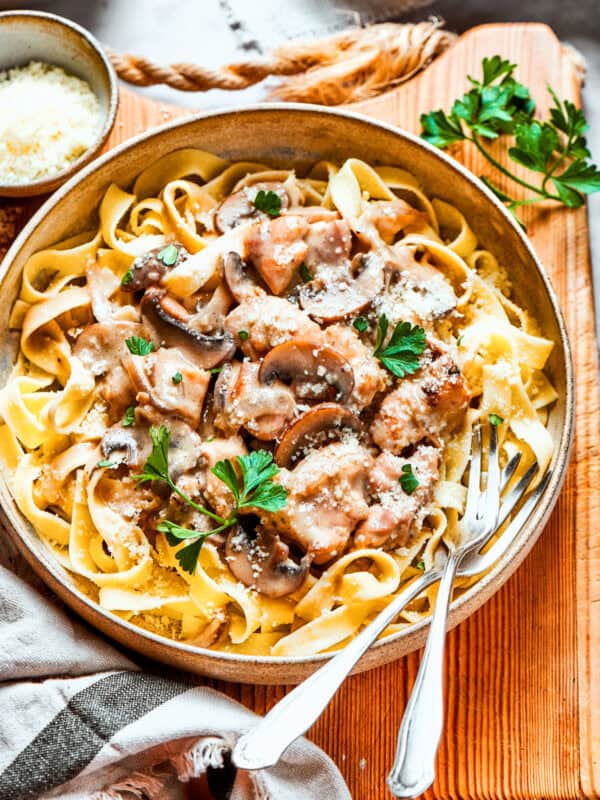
(55, 179)
(539, 515)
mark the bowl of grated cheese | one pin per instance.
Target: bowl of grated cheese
(58, 101)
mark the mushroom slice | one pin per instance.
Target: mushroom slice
(309, 428)
(148, 269)
(315, 371)
(261, 561)
(129, 446)
(169, 322)
(333, 297)
(243, 281)
(239, 206)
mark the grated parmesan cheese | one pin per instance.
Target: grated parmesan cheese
(48, 119)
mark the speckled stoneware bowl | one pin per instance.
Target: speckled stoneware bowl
(36, 36)
(285, 136)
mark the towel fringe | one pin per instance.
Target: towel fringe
(139, 785)
(206, 752)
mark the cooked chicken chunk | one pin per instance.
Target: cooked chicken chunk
(425, 405)
(241, 400)
(269, 321)
(392, 516)
(389, 217)
(276, 248)
(327, 498)
(329, 243)
(369, 377)
(166, 379)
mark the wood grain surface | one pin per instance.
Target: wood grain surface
(522, 685)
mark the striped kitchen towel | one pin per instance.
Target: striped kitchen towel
(79, 721)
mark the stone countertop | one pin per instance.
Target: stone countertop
(214, 32)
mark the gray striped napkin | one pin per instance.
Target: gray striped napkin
(79, 721)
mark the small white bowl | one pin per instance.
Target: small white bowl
(37, 36)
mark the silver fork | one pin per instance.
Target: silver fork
(263, 745)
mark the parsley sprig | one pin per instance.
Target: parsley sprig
(254, 489)
(401, 354)
(554, 148)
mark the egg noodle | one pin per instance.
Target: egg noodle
(54, 419)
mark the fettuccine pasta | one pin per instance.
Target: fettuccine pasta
(343, 327)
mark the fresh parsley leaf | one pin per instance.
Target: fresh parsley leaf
(105, 463)
(255, 489)
(408, 480)
(494, 68)
(441, 129)
(496, 420)
(138, 346)
(269, 202)
(176, 533)
(157, 463)
(305, 273)
(421, 565)
(215, 370)
(459, 341)
(168, 255)
(127, 278)
(129, 417)
(401, 354)
(360, 324)
(188, 556)
(225, 471)
(579, 177)
(177, 378)
(243, 335)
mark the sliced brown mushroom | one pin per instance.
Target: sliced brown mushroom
(239, 206)
(243, 281)
(148, 269)
(315, 371)
(314, 427)
(169, 322)
(262, 561)
(129, 446)
(336, 296)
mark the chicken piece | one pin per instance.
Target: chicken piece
(269, 321)
(166, 379)
(216, 492)
(389, 217)
(369, 376)
(326, 499)
(241, 400)
(276, 248)
(391, 518)
(422, 406)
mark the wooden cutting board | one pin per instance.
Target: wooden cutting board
(522, 684)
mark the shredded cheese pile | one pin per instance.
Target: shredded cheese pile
(48, 118)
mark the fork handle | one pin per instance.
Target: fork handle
(421, 729)
(262, 745)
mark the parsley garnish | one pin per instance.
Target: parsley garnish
(421, 565)
(127, 278)
(138, 346)
(168, 255)
(459, 341)
(555, 148)
(255, 490)
(360, 324)
(105, 463)
(177, 378)
(269, 202)
(401, 354)
(496, 420)
(129, 417)
(408, 480)
(215, 370)
(243, 335)
(305, 273)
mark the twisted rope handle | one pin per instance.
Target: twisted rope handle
(343, 68)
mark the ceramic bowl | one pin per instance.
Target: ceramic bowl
(36, 36)
(285, 136)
